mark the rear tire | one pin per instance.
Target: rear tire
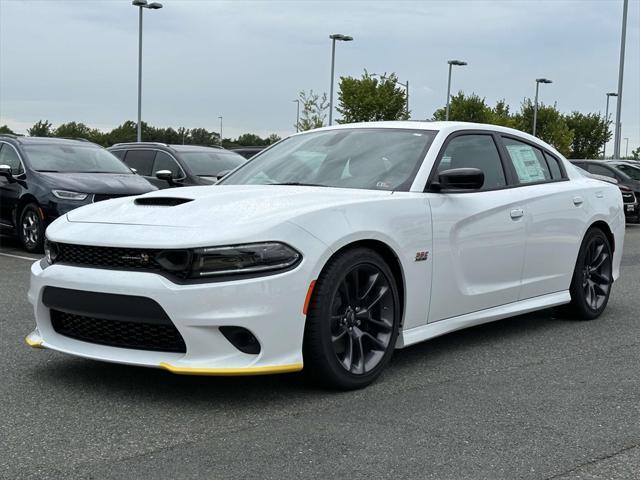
(592, 277)
(352, 321)
(31, 229)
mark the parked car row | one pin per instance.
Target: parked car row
(44, 178)
(626, 174)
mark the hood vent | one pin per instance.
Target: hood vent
(161, 201)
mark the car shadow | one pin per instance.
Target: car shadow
(151, 384)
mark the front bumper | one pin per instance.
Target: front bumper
(270, 307)
(632, 211)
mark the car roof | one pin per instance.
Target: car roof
(23, 140)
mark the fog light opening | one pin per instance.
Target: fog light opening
(242, 339)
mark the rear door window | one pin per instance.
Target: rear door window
(141, 160)
(528, 161)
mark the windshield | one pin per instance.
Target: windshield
(629, 170)
(371, 158)
(73, 158)
(210, 164)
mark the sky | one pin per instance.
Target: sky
(76, 60)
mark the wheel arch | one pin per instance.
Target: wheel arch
(24, 200)
(604, 226)
(390, 257)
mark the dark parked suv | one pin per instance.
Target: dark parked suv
(43, 178)
(177, 165)
(627, 174)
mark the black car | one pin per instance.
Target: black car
(248, 152)
(43, 178)
(177, 165)
(627, 174)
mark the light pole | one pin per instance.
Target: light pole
(626, 148)
(535, 105)
(606, 128)
(405, 85)
(616, 144)
(334, 37)
(451, 63)
(220, 117)
(297, 115)
(151, 6)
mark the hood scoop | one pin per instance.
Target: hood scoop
(161, 201)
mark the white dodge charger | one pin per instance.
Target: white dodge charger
(328, 251)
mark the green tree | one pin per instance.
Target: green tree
(42, 128)
(500, 115)
(589, 134)
(273, 138)
(6, 129)
(80, 130)
(123, 133)
(201, 136)
(551, 125)
(250, 140)
(464, 108)
(635, 154)
(370, 99)
(314, 110)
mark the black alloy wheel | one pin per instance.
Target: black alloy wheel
(353, 320)
(593, 276)
(31, 229)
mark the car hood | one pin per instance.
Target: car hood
(227, 206)
(108, 183)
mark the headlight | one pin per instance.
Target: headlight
(50, 251)
(67, 195)
(239, 259)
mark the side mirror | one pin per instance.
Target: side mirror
(222, 174)
(459, 179)
(134, 170)
(165, 175)
(5, 171)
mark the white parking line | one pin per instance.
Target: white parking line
(18, 256)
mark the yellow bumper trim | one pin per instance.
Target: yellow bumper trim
(33, 343)
(295, 367)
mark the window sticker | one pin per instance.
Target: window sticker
(526, 163)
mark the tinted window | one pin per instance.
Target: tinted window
(164, 161)
(528, 162)
(8, 156)
(210, 163)
(554, 166)
(629, 170)
(600, 170)
(77, 158)
(369, 158)
(119, 153)
(475, 151)
(141, 160)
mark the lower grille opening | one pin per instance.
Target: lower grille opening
(118, 333)
(242, 339)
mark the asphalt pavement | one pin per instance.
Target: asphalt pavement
(532, 397)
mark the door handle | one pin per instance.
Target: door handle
(517, 213)
(577, 200)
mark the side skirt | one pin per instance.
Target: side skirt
(441, 327)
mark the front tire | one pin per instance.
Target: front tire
(31, 229)
(592, 276)
(352, 321)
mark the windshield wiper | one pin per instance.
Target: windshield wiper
(302, 184)
(49, 171)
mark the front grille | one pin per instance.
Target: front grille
(117, 333)
(108, 257)
(628, 197)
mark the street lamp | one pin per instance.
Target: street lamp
(535, 105)
(151, 6)
(297, 115)
(220, 117)
(626, 148)
(405, 85)
(334, 37)
(451, 63)
(606, 123)
(616, 143)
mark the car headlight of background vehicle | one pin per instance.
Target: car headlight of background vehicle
(238, 259)
(68, 195)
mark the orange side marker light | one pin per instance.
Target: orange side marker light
(307, 300)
